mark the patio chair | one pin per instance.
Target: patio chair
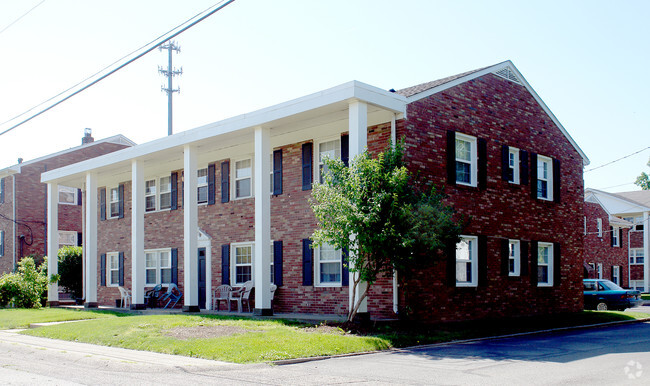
(273, 289)
(173, 295)
(221, 293)
(152, 296)
(243, 294)
(125, 295)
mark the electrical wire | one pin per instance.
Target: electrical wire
(616, 160)
(23, 223)
(153, 45)
(25, 14)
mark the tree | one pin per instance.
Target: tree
(70, 270)
(643, 180)
(381, 215)
(25, 288)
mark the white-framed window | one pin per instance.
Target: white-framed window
(466, 167)
(636, 256)
(326, 149)
(67, 195)
(243, 185)
(158, 266)
(113, 269)
(158, 193)
(514, 255)
(67, 238)
(328, 267)
(615, 240)
(513, 165)
(2, 243)
(637, 285)
(242, 263)
(544, 178)
(150, 195)
(638, 221)
(616, 274)
(113, 202)
(165, 192)
(467, 261)
(544, 265)
(202, 185)
(599, 270)
(599, 227)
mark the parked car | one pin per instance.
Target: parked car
(605, 295)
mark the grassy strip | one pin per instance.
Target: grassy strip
(22, 318)
(253, 340)
(645, 296)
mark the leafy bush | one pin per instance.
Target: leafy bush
(71, 270)
(25, 288)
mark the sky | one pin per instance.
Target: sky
(585, 59)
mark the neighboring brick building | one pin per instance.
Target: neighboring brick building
(27, 234)
(506, 163)
(630, 211)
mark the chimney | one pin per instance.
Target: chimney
(88, 136)
(20, 160)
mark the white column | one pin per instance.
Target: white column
(358, 121)
(137, 235)
(646, 251)
(262, 255)
(190, 233)
(90, 244)
(208, 276)
(52, 241)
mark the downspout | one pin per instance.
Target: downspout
(45, 219)
(393, 138)
(629, 266)
(13, 197)
(83, 242)
(646, 250)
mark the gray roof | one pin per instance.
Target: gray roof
(410, 91)
(641, 197)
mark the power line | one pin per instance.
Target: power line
(25, 14)
(616, 160)
(153, 45)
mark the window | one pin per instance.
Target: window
(329, 149)
(67, 238)
(165, 192)
(637, 285)
(638, 220)
(158, 197)
(328, 265)
(544, 178)
(514, 258)
(113, 269)
(615, 240)
(636, 256)
(513, 165)
(466, 261)
(67, 195)
(150, 195)
(243, 269)
(599, 270)
(243, 178)
(465, 160)
(2, 243)
(158, 266)
(544, 264)
(202, 185)
(599, 227)
(616, 274)
(114, 202)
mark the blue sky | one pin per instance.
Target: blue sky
(586, 60)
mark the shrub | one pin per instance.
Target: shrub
(71, 270)
(25, 288)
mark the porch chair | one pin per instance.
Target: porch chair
(152, 296)
(173, 294)
(273, 289)
(221, 293)
(125, 295)
(243, 294)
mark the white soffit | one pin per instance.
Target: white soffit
(617, 205)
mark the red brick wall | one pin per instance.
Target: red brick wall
(6, 225)
(599, 249)
(636, 241)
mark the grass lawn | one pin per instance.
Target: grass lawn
(645, 296)
(21, 318)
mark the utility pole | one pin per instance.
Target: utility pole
(170, 72)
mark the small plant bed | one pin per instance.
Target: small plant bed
(22, 318)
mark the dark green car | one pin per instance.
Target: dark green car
(603, 295)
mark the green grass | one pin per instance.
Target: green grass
(21, 318)
(645, 296)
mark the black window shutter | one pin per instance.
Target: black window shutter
(611, 274)
(212, 171)
(225, 181)
(121, 267)
(533, 263)
(556, 180)
(174, 192)
(451, 169)
(533, 176)
(505, 162)
(225, 264)
(2, 243)
(505, 257)
(102, 269)
(523, 258)
(523, 167)
(80, 239)
(175, 266)
(307, 263)
(2, 191)
(345, 149)
(277, 263)
(102, 204)
(79, 197)
(482, 261)
(121, 202)
(345, 271)
(307, 170)
(557, 264)
(450, 250)
(277, 172)
(482, 163)
(620, 238)
(611, 236)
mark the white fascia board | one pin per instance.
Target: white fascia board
(623, 206)
(347, 91)
(9, 171)
(456, 82)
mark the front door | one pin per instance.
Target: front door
(201, 281)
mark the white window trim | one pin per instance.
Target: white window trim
(74, 195)
(233, 260)
(159, 193)
(201, 185)
(550, 264)
(515, 173)
(233, 173)
(473, 161)
(317, 263)
(473, 258)
(517, 257)
(158, 267)
(109, 214)
(599, 227)
(616, 274)
(154, 195)
(599, 270)
(109, 269)
(316, 155)
(71, 234)
(615, 239)
(633, 254)
(548, 179)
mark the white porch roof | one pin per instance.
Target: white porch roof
(325, 112)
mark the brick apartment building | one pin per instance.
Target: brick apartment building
(228, 202)
(617, 235)
(23, 221)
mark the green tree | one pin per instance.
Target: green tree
(643, 180)
(25, 288)
(71, 270)
(378, 212)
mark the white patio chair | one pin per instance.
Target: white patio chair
(125, 301)
(221, 293)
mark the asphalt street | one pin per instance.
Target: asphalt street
(594, 356)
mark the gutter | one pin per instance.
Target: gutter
(13, 197)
